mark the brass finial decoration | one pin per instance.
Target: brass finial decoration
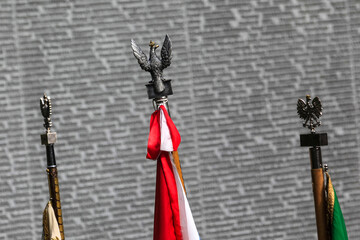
(310, 112)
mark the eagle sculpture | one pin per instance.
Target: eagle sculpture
(46, 110)
(310, 112)
(154, 64)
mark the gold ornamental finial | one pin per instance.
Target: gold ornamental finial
(151, 44)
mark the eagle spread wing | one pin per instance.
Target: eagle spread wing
(140, 56)
(317, 107)
(166, 53)
(301, 109)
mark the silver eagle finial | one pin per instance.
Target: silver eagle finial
(310, 112)
(46, 111)
(154, 64)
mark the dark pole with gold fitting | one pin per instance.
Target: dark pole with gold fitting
(48, 139)
(311, 112)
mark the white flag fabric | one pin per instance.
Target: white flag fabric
(173, 219)
(188, 227)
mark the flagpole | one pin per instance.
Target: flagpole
(158, 89)
(311, 112)
(172, 215)
(48, 139)
(159, 99)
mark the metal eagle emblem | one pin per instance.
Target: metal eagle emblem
(46, 111)
(154, 64)
(310, 112)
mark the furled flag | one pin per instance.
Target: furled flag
(50, 225)
(336, 223)
(173, 219)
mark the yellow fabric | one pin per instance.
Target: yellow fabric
(331, 199)
(50, 225)
(336, 226)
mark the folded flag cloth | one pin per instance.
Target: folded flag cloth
(173, 219)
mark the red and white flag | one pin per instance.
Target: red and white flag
(173, 218)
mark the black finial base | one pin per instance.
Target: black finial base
(313, 140)
(152, 94)
(50, 155)
(315, 157)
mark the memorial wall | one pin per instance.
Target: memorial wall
(237, 71)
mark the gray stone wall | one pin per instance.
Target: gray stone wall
(238, 69)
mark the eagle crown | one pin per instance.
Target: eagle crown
(153, 45)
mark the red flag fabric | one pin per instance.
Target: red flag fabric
(153, 149)
(167, 217)
(154, 142)
(173, 219)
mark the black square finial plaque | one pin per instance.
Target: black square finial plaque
(313, 139)
(152, 94)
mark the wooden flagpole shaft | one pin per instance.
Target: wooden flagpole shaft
(54, 190)
(178, 167)
(314, 140)
(317, 176)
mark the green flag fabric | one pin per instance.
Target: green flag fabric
(337, 228)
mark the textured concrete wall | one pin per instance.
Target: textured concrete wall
(238, 69)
